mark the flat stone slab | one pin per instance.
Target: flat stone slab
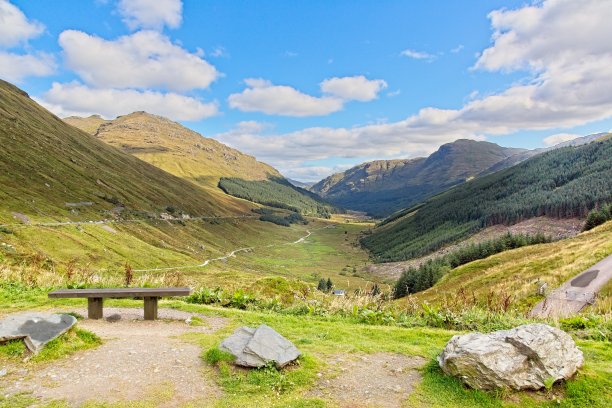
(36, 329)
(257, 347)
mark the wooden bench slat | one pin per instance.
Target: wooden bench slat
(120, 292)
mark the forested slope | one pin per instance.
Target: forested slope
(562, 183)
(277, 192)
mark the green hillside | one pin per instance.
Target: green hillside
(384, 186)
(53, 171)
(277, 192)
(566, 182)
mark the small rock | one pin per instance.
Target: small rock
(3, 372)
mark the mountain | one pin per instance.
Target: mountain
(175, 148)
(89, 124)
(217, 168)
(52, 170)
(561, 183)
(301, 184)
(384, 186)
(522, 156)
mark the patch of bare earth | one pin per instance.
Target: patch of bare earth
(138, 361)
(552, 227)
(369, 380)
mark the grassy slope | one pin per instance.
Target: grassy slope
(47, 163)
(517, 272)
(92, 250)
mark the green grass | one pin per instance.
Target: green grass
(320, 337)
(68, 343)
(517, 273)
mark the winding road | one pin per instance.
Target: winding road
(229, 255)
(575, 294)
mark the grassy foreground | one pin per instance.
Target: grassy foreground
(322, 338)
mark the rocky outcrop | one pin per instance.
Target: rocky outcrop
(36, 329)
(260, 346)
(526, 357)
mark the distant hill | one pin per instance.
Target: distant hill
(562, 183)
(384, 186)
(279, 193)
(175, 148)
(301, 184)
(51, 170)
(522, 156)
(204, 161)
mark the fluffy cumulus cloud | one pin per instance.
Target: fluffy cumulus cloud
(15, 28)
(563, 46)
(151, 14)
(263, 96)
(78, 99)
(357, 88)
(559, 138)
(145, 59)
(16, 67)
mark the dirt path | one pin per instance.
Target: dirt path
(577, 293)
(369, 380)
(139, 361)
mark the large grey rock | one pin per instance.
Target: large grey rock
(257, 347)
(525, 357)
(36, 329)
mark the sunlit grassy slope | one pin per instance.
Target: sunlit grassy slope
(48, 165)
(519, 272)
(178, 247)
(175, 149)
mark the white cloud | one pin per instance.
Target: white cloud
(78, 99)
(559, 138)
(419, 55)
(219, 52)
(564, 46)
(142, 60)
(457, 49)
(357, 88)
(314, 173)
(15, 28)
(151, 14)
(16, 67)
(262, 96)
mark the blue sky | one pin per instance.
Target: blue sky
(313, 87)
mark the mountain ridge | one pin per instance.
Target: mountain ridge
(382, 187)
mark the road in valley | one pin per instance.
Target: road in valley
(577, 293)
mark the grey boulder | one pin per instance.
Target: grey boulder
(260, 346)
(36, 329)
(526, 357)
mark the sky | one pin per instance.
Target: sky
(314, 87)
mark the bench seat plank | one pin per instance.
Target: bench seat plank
(120, 292)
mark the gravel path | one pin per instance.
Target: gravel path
(369, 380)
(139, 361)
(577, 293)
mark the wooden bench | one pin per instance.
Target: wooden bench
(95, 298)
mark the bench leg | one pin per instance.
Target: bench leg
(94, 308)
(150, 308)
